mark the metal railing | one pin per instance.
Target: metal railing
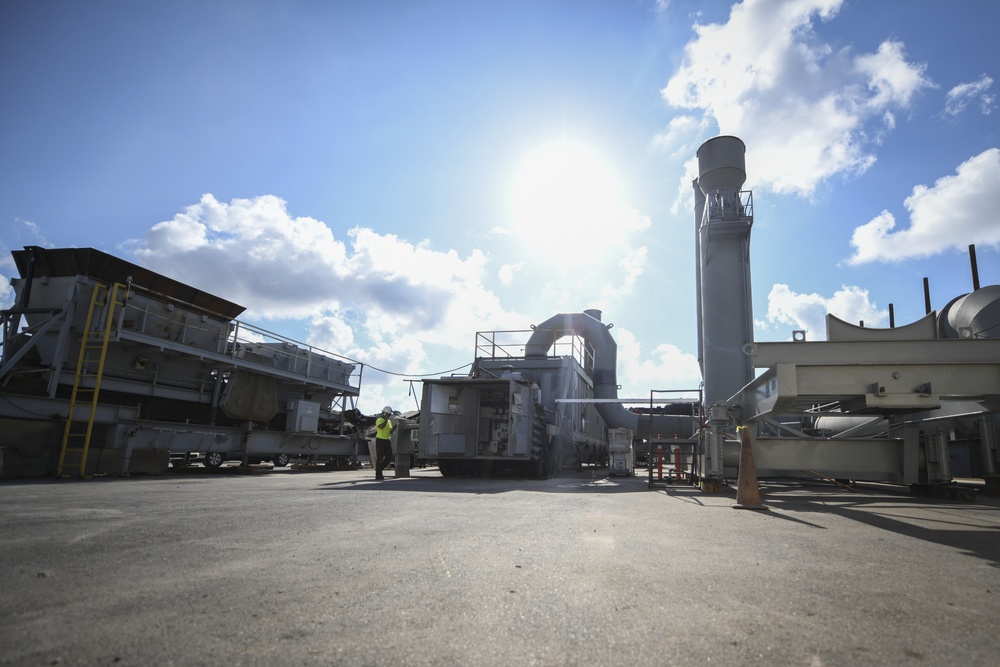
(511, 345)
(672, 461)
(236, 340)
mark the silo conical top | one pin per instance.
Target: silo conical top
(722, 164)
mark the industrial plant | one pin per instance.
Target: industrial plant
(109, 368)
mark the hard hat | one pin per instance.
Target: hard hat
(387, 410)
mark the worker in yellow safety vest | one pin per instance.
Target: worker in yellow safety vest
(383, 445)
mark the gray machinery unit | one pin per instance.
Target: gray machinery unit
(537, 405)
(867, 404)
(485, 426)
(526, 406)
(621, 452)
(109, 367)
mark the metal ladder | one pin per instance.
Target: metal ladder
(104, 304)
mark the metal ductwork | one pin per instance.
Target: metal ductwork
(972, 315)
(588, 326)
(596, 334)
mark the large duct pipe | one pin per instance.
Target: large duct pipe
(972, 315)
(723, 242)
(588, 326)
(605, 375)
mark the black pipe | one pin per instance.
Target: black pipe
(927, 296)
(29, 275)
(975, 266)
(892, 317)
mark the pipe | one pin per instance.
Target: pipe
(588, 326)
(975, 266)
(605, 375)
(927, 296)
(699, 209)
(892, 317)
(972, 315)
(29, 275)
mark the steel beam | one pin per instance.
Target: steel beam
(18, 406)
(828, 353)
(790, 388)
(853, 458)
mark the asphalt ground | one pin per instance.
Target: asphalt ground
(300, 567)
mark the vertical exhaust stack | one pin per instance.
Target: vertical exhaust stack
(725, 307)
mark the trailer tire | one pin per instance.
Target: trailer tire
(214, 459)
(280, 460)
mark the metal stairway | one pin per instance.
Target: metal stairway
(104, 306)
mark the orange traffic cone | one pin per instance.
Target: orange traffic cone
(747, 489)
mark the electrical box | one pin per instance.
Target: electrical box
(303, 417)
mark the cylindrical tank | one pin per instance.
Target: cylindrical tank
(722, 164)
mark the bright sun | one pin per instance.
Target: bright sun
(565, 196)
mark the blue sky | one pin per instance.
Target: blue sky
(383, 180)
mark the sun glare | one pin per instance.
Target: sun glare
(565, 196)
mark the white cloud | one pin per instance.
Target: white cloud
(891, 79)
(19, 234)
(506, 272)
(7, 268)
(959, 97)
(376, 298)
(807, 111)
(574, 234)
(631, 266)
(808, 311)
(667, 367)
(681, 134)
(958, 210)
(685, 189)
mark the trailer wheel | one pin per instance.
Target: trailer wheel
(214, 459)
(280, 460)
